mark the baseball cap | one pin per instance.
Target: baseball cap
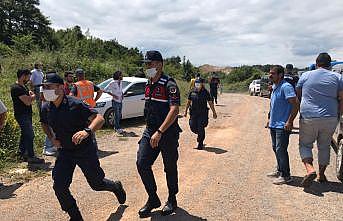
(79, 71)
(152, 56)
(52, 78)
(199, 80)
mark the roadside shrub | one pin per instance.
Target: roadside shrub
(9, 137)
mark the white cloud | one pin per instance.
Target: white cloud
(212, 31)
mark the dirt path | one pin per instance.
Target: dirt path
(224, 182)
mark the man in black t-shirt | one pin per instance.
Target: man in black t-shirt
(22, 104)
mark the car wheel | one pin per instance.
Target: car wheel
(109, 117)
(250, 92)
(261, 94)
(339, 160)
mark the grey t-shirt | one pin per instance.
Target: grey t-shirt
(320, 90)
(3, 108)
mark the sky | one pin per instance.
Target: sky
(222, 33)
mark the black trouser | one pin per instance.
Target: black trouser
(62, 174)
(197, 124)
(146, 157)
(214, 93)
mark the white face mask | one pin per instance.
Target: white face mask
(197, 85)
(151, 72)
(50, 95)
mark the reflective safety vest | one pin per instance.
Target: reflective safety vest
(85, 92)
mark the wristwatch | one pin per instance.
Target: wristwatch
(88, 130)
(159, 131)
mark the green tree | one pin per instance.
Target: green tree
(20, 17)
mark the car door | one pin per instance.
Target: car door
(133, 102)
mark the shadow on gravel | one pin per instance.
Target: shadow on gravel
(179, 215)
(220, 105)
(46, 166)
(104, 153)
(216, 150)
(133, 122)
(117, 215)
(318, 189)
(7, 192)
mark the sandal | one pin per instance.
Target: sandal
(308, 179)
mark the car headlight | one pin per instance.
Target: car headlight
(100, 104)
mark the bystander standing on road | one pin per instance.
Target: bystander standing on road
(68, 81)
(321, 94)
(115, 89)
(22, 104)
(284, 107)
(36, 80)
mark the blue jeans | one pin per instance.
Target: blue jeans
(117, 107)
(48, 144)
(27, 134)
(280, 141)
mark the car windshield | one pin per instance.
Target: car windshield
(105, 83)
(258, 81)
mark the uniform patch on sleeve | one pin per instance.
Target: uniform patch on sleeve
(172, 90)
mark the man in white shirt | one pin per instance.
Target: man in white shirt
(36, 80)
(115, 89)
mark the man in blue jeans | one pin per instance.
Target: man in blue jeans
(22, 104)
(115, 89)
(284, 107)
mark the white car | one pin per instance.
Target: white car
(133, 102)
(255, 87)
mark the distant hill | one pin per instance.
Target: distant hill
(206, 68)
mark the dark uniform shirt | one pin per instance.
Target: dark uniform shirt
(199, 101)
(67, 119)
(214, 83)
(158, 99)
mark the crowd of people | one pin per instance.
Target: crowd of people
(317, 96)
(69, 120)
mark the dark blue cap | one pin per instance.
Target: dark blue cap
(52, 78)
(152, 56)
(199, 80)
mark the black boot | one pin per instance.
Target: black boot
(170, 206)
(117, 188)
(152, 203)
(74, 214)
(200, 146)
(119, 192)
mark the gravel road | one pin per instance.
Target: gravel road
(226, 181)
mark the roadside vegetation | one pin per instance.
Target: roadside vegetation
(26, 37)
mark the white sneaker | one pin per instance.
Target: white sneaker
(49, 152)
(120, 131)
(282, 180)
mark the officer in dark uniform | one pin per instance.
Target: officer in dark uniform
(162, 101)
(197, 102)
(73, 123)
(214, 84)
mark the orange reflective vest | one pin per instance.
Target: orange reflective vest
(85, 92)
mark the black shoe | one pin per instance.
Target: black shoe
(35, 160)
(169, 208)
(119, 192)
(200, 146)
(74, 214)
(145, 211)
